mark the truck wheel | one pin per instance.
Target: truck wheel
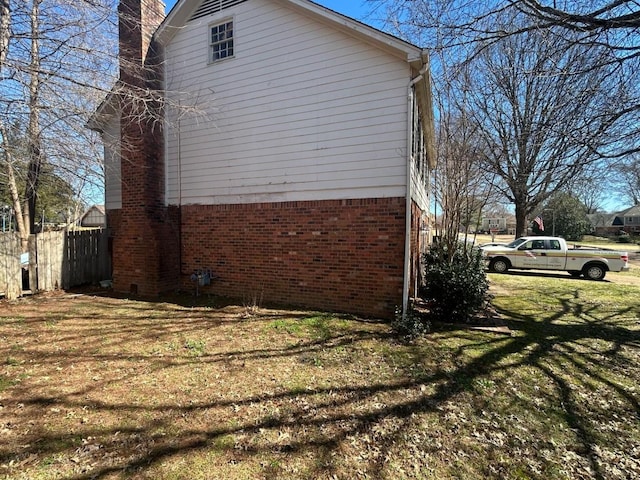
(499, 265)
(595, 272)
(575, 273)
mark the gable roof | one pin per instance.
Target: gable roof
(183, 11)
(99, 209)
(601, 219)
(630, 212)
(613, 219)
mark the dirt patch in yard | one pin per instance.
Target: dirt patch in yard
(94, 387)
(98, 387)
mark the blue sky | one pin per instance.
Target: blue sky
(353, 8)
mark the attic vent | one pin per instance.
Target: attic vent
(209, 7)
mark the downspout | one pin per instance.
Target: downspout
(407, 226)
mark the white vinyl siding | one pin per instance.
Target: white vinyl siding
(303, 112)
(112, 174)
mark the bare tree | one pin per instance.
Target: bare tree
(58, 58)
(461, 187)
(549, 103)
(8, 161)
(628, 176)
(593, 195)
(5, 32)
(611, 26)
(605, 25)
(460, 22)
(589, 17)
(543, 118)
(34, 152)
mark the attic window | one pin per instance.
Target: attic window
(221, 41)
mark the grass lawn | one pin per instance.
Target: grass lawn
(108, 388)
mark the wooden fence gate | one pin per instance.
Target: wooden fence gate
(57, 260)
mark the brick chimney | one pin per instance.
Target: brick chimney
(138, 20)
(145, 237)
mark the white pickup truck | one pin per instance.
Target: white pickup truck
(553, 253)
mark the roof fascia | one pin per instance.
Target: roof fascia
(104, 113)
(175, 20)
(357, 29)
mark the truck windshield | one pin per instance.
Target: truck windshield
(517, 242)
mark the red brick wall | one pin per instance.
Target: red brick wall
(145, 232)
(332, 255)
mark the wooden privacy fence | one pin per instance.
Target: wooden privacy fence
(57, 260)
(10, 271)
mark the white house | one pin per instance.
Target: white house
(94, 216)
(293, 162)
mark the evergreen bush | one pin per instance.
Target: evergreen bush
(455, 282)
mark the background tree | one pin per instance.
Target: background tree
(461, 189)
(628, 177)
(535, 108)
(600, 36)
(566, 215)
(56, 67)
(57, 200)
(593, 195)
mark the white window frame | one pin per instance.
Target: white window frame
(418, 142)
(226, 22)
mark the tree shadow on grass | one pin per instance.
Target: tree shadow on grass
(343, 398)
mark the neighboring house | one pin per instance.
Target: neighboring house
(603, 223)
(307, 181)
(95, 216)
(631, 219)
(613, 223)
(498, 225)
(503, 225)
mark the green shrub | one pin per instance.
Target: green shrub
(412, 325)
(455, 283)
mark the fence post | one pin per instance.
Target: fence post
(33, 263)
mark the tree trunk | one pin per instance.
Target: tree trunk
(5, 30)
(521, 220)
(13, 191)
(23, 229)
(33, 131)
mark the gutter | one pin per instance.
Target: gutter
(407, 227)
